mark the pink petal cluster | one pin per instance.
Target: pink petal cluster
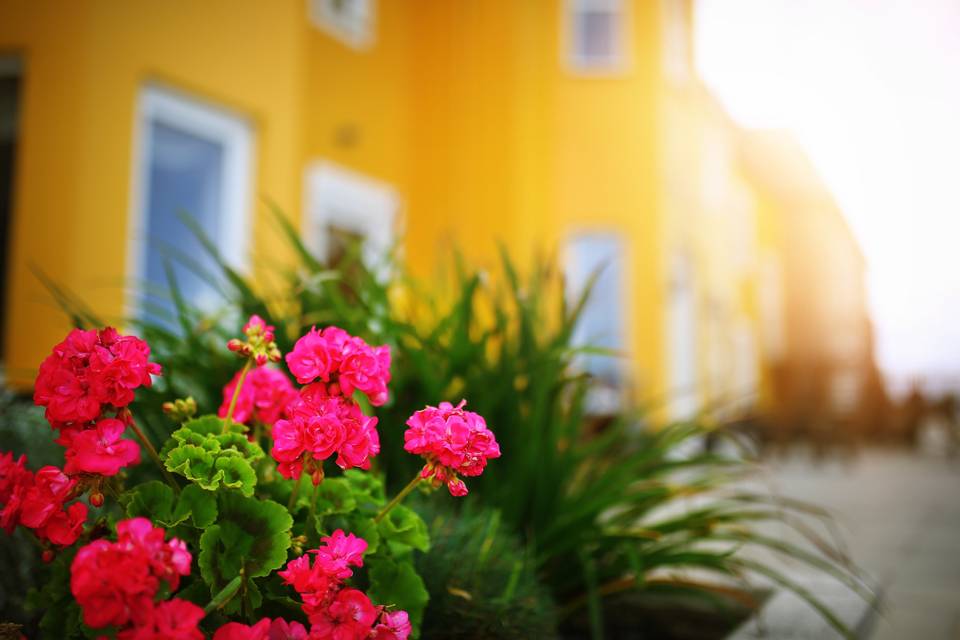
(319, 425)
(170, 620)
(333, 355)
(265, 394)
(98, 449)
(115, 583)
(37, 501)
(453, 441)
(91, 370)
(336, 611)
(266, 629)
(87, 376)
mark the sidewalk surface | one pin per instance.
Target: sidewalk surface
(899, 511)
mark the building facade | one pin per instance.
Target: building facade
(572, 125)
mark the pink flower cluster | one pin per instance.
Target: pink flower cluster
(37, 501)
(452, 441)
(86, 376)
(170, 620)
(319, 425)
(333, 355)
(89, 371)
(266, 629)
(116, 583)
(265, 394)
(336, 611)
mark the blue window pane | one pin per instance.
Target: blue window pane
(602, 319)
(185, 174)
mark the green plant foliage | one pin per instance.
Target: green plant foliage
(204, 453)
(586, 497)
(482, 583)
(156, 501)
(397, 584)
(403, 525)
(250, 538)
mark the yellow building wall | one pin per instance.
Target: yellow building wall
(467, 108)
(512, 145)
(84, 63)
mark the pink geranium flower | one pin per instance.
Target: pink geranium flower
(393, 626)
(100, 449)
(338, 552)
(37, 501)
(115, 582)
(350, 616)
(453, 441)
(171, 620)
(277, 629)
(333, 355)
(90, 370)
(318, 426)
(265, 394)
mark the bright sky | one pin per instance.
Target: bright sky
(871, 89)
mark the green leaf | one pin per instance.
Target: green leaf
(335, 495)
(153, 500)
(398, 584)
(203, 452)
(198, 504)
(403, 525)
(250, 535)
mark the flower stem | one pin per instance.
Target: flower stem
(236, 393)
(156, 457)
(397, 499)
(293, 494)
(313, 505)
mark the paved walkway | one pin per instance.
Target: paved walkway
(900, 512)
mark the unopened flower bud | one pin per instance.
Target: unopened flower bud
(261, 359)
(96, 498)
(47, 556)
(234, 344)
(181, 409)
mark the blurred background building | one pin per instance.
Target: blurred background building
(729, 279)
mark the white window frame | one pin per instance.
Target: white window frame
(619, 62)
(204, 120)
(340, 197)
(346, 30)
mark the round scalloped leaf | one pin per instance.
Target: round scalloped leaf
(249, 534)
(153, 500)
(199, 505)
(204, 453)
(192, 462)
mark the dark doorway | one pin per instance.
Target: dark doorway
(10, 84)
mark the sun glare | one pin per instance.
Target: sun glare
(869, 89)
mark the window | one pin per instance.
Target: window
(195, 160)
(344, 207)
(601, 324)
(350, 21)
(596, 35)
